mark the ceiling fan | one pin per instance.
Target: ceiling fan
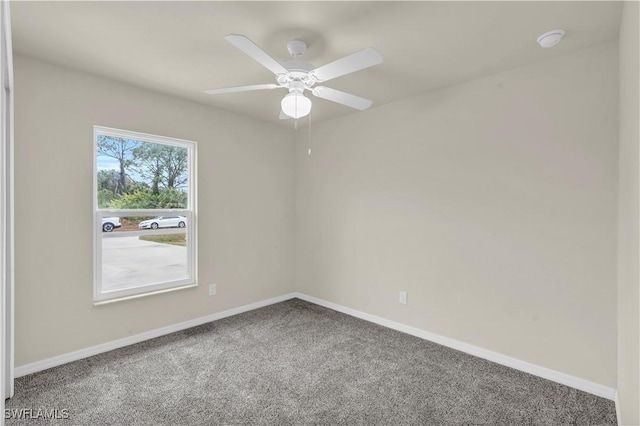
(296, 76)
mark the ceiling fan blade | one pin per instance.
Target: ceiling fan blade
(355, 62)
(283, 116)
(252, 49)
(343, 98)
(241, 89)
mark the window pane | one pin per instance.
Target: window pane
(132, 261)
(135, 174)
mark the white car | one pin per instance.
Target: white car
(110, 223)
(164, 222)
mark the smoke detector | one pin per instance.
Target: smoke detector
(550, 38)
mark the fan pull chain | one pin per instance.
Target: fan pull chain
(309, 151)
(295, 108)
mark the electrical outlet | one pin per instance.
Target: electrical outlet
(403, 297)
(212, 289)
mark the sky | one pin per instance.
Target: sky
(107, 163)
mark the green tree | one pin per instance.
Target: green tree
(175, 163)
(148, 163)
(161, 165)
(121, 150)
(162, 169)
(172, 198)
(108, 180)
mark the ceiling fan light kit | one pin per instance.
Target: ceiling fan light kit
(296, 76)
(296, 105)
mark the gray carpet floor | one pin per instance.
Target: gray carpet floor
(299, 363)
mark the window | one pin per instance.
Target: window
(144, 197)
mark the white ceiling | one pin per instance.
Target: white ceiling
(177, 47)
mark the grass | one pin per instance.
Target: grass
(173, 239)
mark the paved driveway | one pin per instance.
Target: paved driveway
(128, 261)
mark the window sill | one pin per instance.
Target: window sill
(137, 296)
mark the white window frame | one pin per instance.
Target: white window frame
(101, 296)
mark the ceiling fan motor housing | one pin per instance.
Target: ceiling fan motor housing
(296, 48)
(297, 71)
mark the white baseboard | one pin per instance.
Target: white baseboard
(34, 367)
(545, 373)
(617, 402)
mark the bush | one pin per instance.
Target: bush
(168, 198)
(105, 197)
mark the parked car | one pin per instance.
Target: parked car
(164, 222)
(110, 223)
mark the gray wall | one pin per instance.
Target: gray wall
(629, 215)
(493, 203)
(245, 208)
